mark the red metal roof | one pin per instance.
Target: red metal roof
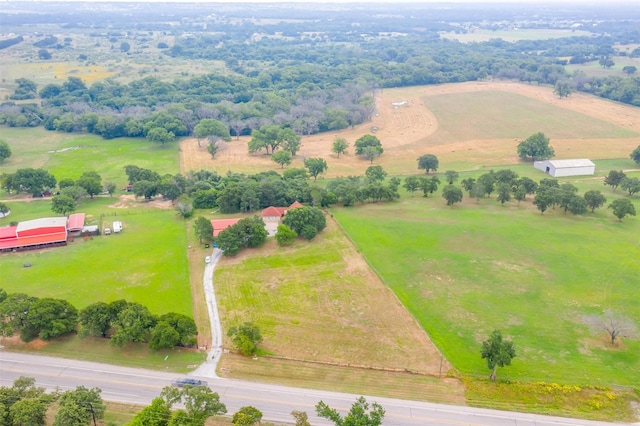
(8, 232)
(33, 240)
(75, 222)
(222, 224)
(295, 205)
(274, 211)
(42, 226)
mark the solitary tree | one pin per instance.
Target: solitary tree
(411, 184)
(614, 178)
(91, 182)
(369, 146)
(535, 147)
(5, 151)
(361, 413)
(635, 155)
(282, 157)
(622, 207)
(563, 88)
(498, 352)
(375, 173)
(428, 162)
(452, 194)
(211, 129)
(594, 199)
(63, 205)
(316, 166)
(203, 229)
(451, 176)
(246, 338)
(631, 185)
(246, 416)
(212, 149)
(340, 146)
(615, 325)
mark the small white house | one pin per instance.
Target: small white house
(560, 168)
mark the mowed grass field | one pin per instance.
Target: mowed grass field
(146, 263)
(465, 271)
(68, 155)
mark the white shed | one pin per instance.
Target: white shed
(560, 168)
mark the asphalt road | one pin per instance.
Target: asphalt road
(138, 386)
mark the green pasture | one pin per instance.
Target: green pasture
(499, 115)
(480, 35)
(146, 263)
(68, 155)
(467, 270)
(596, 70)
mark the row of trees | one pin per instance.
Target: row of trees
(121, 321)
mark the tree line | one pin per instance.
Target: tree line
(120, 321)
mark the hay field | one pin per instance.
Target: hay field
(432, 122)
(320, 307)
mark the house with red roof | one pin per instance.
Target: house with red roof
(271, 216)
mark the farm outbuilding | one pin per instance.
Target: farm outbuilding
(32, 234)
(560, 168)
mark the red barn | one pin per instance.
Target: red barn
(33, 234)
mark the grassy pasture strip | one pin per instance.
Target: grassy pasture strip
(343, 379)
(501, 115)
(146, 263)
(325, 290)
(136, 355)
(465, 271)
(480, 35)
(553, 399)
(31, 148)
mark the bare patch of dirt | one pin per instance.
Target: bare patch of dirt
(127, 200)
(14, 342)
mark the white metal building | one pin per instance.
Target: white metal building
(560, 168)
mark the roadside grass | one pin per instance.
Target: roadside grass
(467, 270)
(85, 152)
(593, 403)
(502, 115)
(146, 263)
(310, 375)
(95, 349)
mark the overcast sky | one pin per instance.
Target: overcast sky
(576, 2)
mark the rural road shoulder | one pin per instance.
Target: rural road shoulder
(139, 386)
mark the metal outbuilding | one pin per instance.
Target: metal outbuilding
(560, 168)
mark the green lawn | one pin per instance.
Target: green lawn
(146, 263)
(499, 115)
(467, 270)
(84, 152)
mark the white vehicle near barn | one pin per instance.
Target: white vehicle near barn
(117, 226)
